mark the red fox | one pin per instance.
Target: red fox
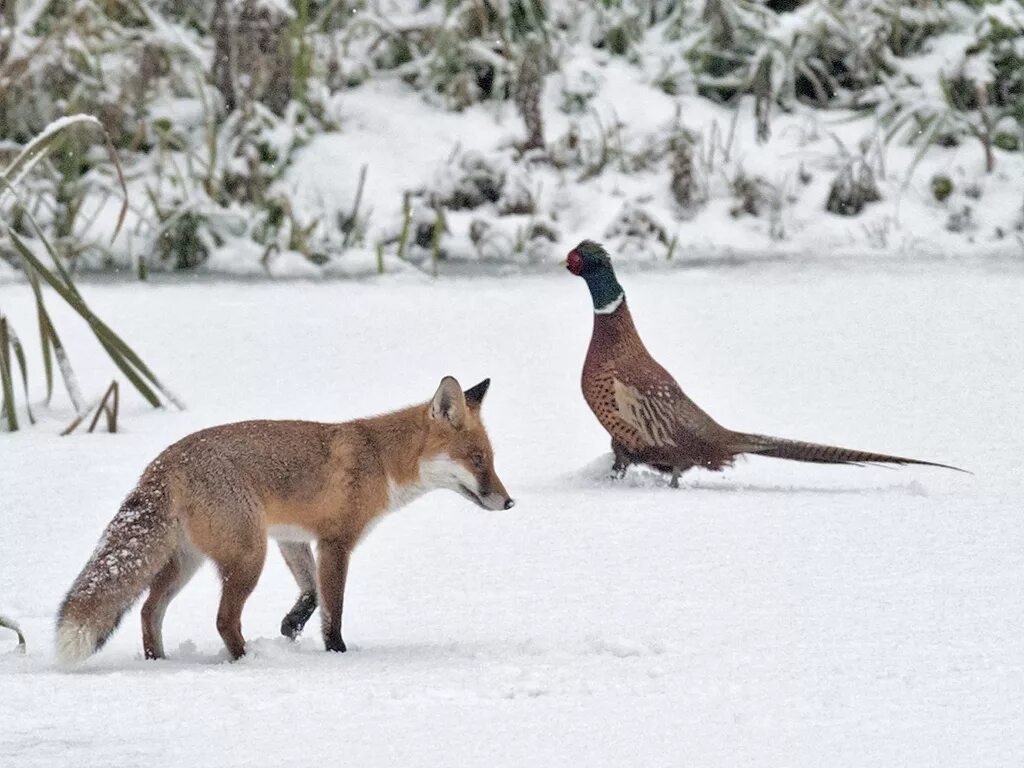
(219, 493)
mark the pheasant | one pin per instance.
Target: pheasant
(650, 419)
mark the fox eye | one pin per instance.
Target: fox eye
(478, 460)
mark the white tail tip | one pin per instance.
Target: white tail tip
(75, 642)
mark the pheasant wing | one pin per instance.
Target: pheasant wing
(658, 412)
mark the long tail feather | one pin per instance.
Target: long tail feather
(798, 450)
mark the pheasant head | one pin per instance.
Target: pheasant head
(591, 261)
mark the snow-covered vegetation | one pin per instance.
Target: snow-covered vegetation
(345, 137)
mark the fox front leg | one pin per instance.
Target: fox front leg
(298, 556)
(332, 571)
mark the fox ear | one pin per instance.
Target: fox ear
(449, 404)
(475, 395)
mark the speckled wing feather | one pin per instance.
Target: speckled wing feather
(659, 410)
(641, 405)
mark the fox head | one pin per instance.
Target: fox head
(458, 454)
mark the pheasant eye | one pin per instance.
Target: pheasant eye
(574, 262)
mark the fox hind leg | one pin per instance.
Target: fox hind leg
(168, 582)
(298, 556)
(238, 580)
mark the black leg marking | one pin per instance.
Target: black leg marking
(296, 618)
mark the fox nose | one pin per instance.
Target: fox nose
(509, 503)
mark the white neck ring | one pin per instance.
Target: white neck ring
(611, 306)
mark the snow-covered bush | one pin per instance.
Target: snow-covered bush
(211, 105)
(976, 92)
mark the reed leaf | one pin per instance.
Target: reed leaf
(6, 383)
(41, 145)
(12, 625)
(403, 237)
(19, 355)
(45, 329)
(122, 355)
(109, 404)
(52, 347)
(435, 245)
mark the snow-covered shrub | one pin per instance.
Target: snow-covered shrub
(820, 53)
(527, 92)
(961, 220)
(209, 104)
(473, 181)
(204, 107)
(753, 194)
(688, 188)
(852, 188)
(980, 95)
(460, 52)
(634, 227)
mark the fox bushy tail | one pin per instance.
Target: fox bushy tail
(136, 544)
(798, 450)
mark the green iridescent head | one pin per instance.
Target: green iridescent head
(591, 261)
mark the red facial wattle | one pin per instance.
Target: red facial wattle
(574, 262)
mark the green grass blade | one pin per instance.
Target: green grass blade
(42, 236)
(48, 332)
(132, 375)
(119, 351)
(38, 148)
(41, 145)
(45, 327)
(6, 384)
(403, 237)
(112, 341)
(67, 373)
(19, 355)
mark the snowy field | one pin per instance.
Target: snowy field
(776, 615)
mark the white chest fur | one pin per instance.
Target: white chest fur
(290, 533)
(439, 471)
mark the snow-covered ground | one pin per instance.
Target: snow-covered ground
(776, 615)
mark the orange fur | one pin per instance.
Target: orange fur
(219, 492)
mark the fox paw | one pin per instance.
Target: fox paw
(336, 645)
(296, 618)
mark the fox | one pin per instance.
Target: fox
(222, 492)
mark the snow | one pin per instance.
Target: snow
(401, 140)
(778, 614)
